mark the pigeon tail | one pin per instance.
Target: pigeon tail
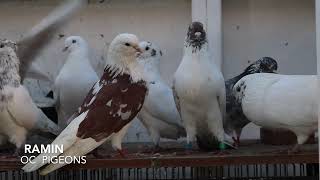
(79, 148)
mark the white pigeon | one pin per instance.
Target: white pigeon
(280, 101)
(74, 80)
(159, 113)
(199, 91)
(235, 119)
(19, 115)
(107, 110)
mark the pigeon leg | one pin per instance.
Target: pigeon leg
(295, 149)
(238, 141)
(238, 134)
(122, 153)
(191, 133)
(188, 146)
(235, 142)
(301, 139)
(222, 150)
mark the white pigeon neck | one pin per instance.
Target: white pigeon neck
(124, 64)
(80, 51)
(152, 68)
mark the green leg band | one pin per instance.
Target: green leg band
(222, 146)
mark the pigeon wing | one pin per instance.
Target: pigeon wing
(176, 98)
(41, 34)
(113, 102)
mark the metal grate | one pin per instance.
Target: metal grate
(253, 171)
(252, 161)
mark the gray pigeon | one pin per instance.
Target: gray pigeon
(235, 119)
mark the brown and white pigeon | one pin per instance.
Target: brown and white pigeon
(108, 108)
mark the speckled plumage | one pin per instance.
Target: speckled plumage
(18, 113)
(116, 102)
(9, 70)
(199, 91)
(235, 119)
(280, 101)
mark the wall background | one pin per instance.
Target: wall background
(284, 30)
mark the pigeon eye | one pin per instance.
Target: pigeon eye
(127, 44)
(74, 41)
(238, 89)
(147, 48)
(1, 46)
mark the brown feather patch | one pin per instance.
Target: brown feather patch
(112, 103)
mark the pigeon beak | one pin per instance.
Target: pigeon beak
(197, 34)
(138, 49)
(65, 49)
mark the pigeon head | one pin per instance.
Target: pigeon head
(150, 57)
(73, 43)
(123, 53)
(263, 65)
(125, 48)
(9, 64)
(149, 50)
(6, 44)
(196, 35)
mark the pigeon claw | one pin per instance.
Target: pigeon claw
(122, 153)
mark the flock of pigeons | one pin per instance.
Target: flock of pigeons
(200, 105)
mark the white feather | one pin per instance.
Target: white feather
(21, 116)
(75, 79)
(280, 101)
(159, 113)
(74, 146)
(200, 87)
